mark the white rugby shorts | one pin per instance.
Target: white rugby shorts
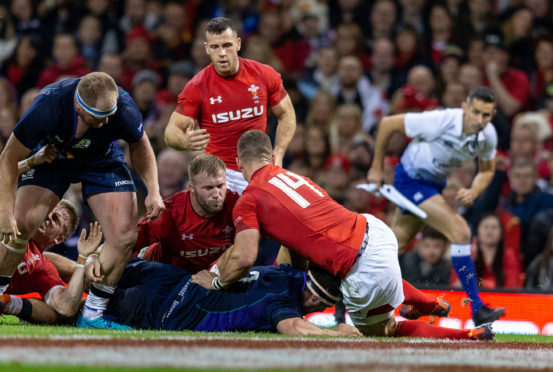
(236, 181)
(373, 287)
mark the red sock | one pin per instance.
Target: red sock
(416, 328)
(423, 302)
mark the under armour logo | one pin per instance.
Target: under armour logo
(212, 100)
(184, 236)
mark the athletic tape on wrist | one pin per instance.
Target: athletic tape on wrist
(216, 283)
(14, 250)
(78, 265)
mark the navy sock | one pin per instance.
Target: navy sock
(464, 267)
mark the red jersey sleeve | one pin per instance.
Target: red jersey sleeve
(245, 214)
(188, 102)
(156, 230)
(274, 84)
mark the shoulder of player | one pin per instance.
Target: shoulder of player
(260, 68)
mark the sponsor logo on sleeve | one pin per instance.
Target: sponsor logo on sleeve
(213, 100)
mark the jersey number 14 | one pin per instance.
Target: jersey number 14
(289, 183)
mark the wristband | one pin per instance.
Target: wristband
(78, 265)
(81, 260)
(216, 284)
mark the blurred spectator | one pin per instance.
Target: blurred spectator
(67, 61)
(144, 94)
(24, 17)
(316, 150)
(321, 110)
(291, 57)
(518, 37)
(541, 10)
(312, 27)
(346, 128)
(27, 100)
(526, 200)
(357, 200)
(178, 75)
(198, 54)
(348, 11)
(136, 15)
(323, 76)
(383, 73)
(136, 56)
(360, 153)
(470, 76)
(111, 64)
(448, 68)
(382, 19)
(475, 52)
(511, 86)
(258, 49)
(454, 95)
(8, 40)
(354, 87)
(172, 172)
(538, 233)
(542, 74)
(24, 66)
(408, 52)
(529, 132)
(412, 14)
(89, 38)
(335, 177)
(300, 103)
(539, 274)
(418, 94)
(172, 32)
(349, 41)
(496, 267)
(440, 31)
(475, 17)
(427, 266)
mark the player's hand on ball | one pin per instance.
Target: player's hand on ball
(204, 279)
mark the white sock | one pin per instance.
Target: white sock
(97, 301)
(14, 306)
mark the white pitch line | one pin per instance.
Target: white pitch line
(204, 357)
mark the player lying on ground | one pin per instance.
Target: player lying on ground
(36, 273)
(151, 295)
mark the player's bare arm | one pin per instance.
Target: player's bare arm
(45, 155)
(240, 259)
(301, 327)
(144, 161)
(66, 300)
(388, 125)
(486, 170)
(14, 152)
(181, 134)
(286, 128)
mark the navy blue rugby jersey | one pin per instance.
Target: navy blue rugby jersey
(52, 119)
(151, 295)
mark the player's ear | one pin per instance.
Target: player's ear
(60, 238)
(238, 163)
(206, 50)
(238, 43)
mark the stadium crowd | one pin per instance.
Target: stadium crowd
(345, 64)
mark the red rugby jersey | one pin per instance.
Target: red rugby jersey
(230, 106)
(296, 212)
(35, 273)
(187, 240)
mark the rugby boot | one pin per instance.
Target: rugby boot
(441, 308)
(486, 314)
(100, 323)
(482, 333)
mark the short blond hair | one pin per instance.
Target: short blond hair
(73, 214)
(95, 85)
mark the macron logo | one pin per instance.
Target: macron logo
(212, 100)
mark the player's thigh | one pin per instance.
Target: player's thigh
(33, 203)
(405, 227)
(444, 219)
(117, 213)
(386, 327)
